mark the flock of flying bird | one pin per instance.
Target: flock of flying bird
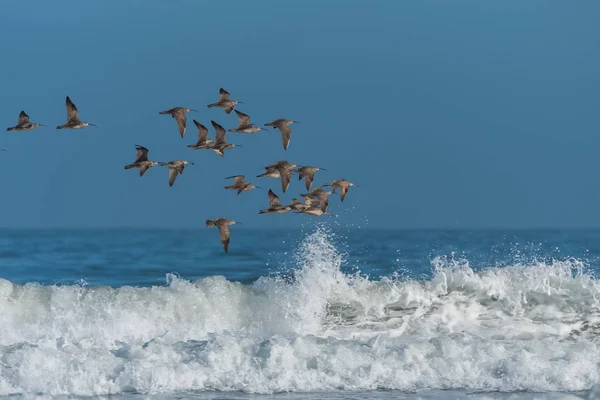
(315, 202)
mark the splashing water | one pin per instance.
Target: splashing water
(519, 328)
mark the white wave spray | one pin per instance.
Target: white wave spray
(524, 327)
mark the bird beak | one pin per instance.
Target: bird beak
(42, 125)
(92, 125)
(356, 186)
(241, 102)
(258, 187)
(322, 169)
(193, 110)
(191, 162)
(296, 122)
(264, 129)
(237, 145)
(238, 223)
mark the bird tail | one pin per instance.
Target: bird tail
(209, 223)
(10, 129)
(164, 112)
(129, 166)
(210, 105)
(229, 187)
(59, 127)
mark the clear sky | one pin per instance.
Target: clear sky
(446, 113)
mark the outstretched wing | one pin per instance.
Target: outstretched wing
(23, 118)
(172, 176)
(243, 119)
(343, 191)
(220, 133)
(202, 133)
(141, 154)
(225, 235)
(181, 122)
(273, 199)
(223, 94)
(308, 179)
(72, 113)
(143, 168)
(286, 135)
(286, 177)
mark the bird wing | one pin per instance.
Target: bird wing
(323, 201)
(23, 118)
(238, 180)
(172, 175)
(141, 154)
(286, 135)
(72, 113)
(343, 191)
(223, 94)
(202, 133)
(243, 119)
(273, 199)
(286, 177)
(181, 122)
(225, 235)
(228, 110)
(143, 168)
(309, 176)
(220, 133)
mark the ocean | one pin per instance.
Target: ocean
(326, 311)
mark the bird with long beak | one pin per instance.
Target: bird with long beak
(73, 121)
(240, 184)
(284, 127)
(308, 173)
(341, 184)
(225, 102)
(24, 124)
(179, 114)
(223, 225)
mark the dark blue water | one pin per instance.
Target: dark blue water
(320, 312)
(144, 257)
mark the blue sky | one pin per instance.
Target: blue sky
(447, 114)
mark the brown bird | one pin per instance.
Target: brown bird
(298, 205)
(24, 124)
(244, 125)
(224, 102)
(284, 127)
(223, 225)
(175, 167)
(308, 173)
(341, 184)
(240, 184)
(275, 206)
(203, 142)
(281, 169)
(179, 114)
(220, 144)
(73, 121)
(321, 195)
(141, 160)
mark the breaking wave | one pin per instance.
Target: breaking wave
(518, 328)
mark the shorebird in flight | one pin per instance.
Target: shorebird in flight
(220, 144)
(175, 167)
(284, 127)
(240, 184)
(179, 114)
(275, 206)
(223, 225)
(73, 121)
(203, 142)
(343, 185)
(321, 195)
(24, 124)
(244, 125)
(141, 160)
(281, 169)
(308, 173)
(225, 102)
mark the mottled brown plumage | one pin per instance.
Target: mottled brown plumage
(240, 184)
(281, 169)
(220, 145)
(141, 160)
(179, 114)
(203, 142)
(73, 121)
(24, 124)
(223, 225)
(343, 185)
(321, 195)
(225, 102)
(308, 173)
(284, 127)
(275, 206)
(244, 124)
(175, 167)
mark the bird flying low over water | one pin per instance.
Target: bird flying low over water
(24, 124)
(343, 185)
(220, 145)
(223, 225)
(321, 195)
(240, 184)
(203, 142)
(73, 121)
(225, 102)
(141, 160)
(284, 127)
(175, 167)
(275, 206)
(179, 114)
(281, 169)
(244, 125)
(308, 173)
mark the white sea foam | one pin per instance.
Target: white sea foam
(524, 327)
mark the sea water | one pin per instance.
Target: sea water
(336, 313)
